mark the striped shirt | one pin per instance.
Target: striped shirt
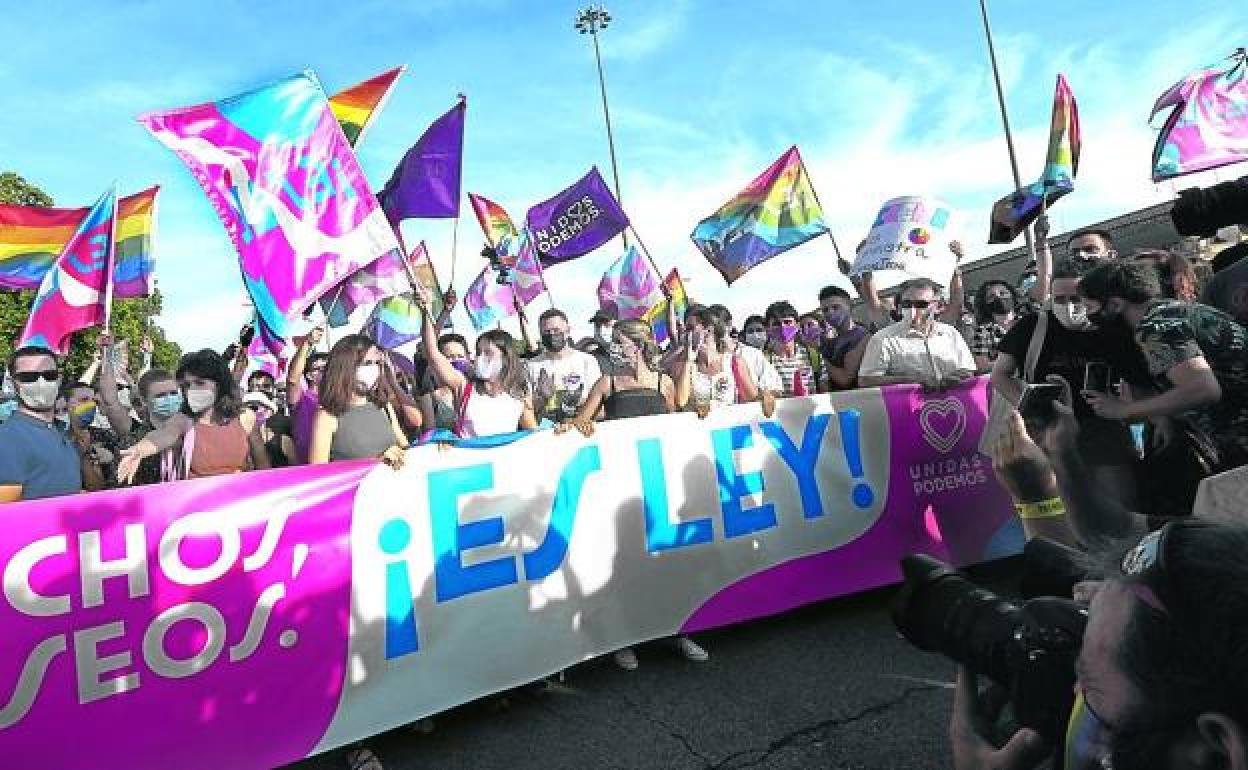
(789, 366)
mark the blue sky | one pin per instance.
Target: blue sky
(887, 98)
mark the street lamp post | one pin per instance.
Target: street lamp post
(590, 21)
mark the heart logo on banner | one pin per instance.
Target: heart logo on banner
(943, 422)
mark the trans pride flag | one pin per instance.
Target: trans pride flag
(356, 107)
(488, 301)
(1016, 211)
(287, 186)
(777, 211)
(657, 315)
(629, 286)
(1208, 123)
(385, 277)
(495, 222)
(74, 293)
(31, 238)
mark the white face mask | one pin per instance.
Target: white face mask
(756, 339)
(1073, 315)
(488, 367)
(40, 395)
(366, 375)
(917, 316)
(603, 334)
(201, 399)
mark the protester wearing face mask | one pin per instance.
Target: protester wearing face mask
(36, 459)
(270, 423)
(438, 402)
(788, 353)
(96, 445)
(754, 332)
(216, 435)
(842, 353)
(995, 303)
(637, 388)
(492, 396)
(717, 377)
(754, 358)
(1197, 356)
(603, 322)
(1064, 345)
(561, 376)
(356, 420)
(917, 349)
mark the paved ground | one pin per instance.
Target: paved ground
(828, 686)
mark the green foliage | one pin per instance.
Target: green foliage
(131, 318)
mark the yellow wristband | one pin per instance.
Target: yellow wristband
(1045, 509)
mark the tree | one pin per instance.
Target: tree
(131, 318)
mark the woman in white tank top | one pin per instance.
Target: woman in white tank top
(491, 396)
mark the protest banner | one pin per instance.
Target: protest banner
(252, 620)
(909, 239)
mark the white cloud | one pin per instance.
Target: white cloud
(645, 33)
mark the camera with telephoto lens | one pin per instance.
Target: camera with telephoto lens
(1028, 648)
(1203, 211)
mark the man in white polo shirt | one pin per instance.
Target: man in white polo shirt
(561, 376)
(918, 349)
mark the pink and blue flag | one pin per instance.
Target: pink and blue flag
(385, 277)
(75, 292)
(426, 183)
(288, 188)
(576, 221)
(774, 213)
(492, 298)
(630, 286)
(1208, 122)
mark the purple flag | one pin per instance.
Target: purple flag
(576, 221)
(425, 184)
(286, 185)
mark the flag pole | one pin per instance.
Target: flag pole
(110, 264)
(645, 251)
(1005, 118)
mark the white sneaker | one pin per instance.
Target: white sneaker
(625, 659)
(691, 650)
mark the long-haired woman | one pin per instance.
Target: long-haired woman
(492, 396)
(636, 388)
(217, 435)
(356, 418)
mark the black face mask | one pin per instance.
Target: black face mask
(1103, 319)
(895, 314)
(1000, 306)
(554, 341)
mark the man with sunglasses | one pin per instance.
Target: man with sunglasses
(918, 349)
(37, 459)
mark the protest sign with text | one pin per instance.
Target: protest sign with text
(910, 237)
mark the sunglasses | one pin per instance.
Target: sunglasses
(917, 303)
(51, 375)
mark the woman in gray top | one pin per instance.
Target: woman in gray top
(354, 420)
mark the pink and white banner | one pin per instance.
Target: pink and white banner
(253, 620)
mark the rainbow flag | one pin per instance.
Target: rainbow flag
(394, 321)
(657, 315)
(1016, 211)
(31, 238)
(356, 107)
(774, 213)
(74, 293)
(495, 222)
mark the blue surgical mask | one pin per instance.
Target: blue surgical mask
(166, 406)
(7, 408)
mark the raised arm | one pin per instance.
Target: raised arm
(443, 373)
(116, 414)
(295, 386)
(1044, 260)
(875, 310)
(155, 442)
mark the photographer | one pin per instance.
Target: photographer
(1160, 676)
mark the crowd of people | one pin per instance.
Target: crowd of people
(1150, 352)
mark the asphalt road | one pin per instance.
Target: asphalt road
(827, 686)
